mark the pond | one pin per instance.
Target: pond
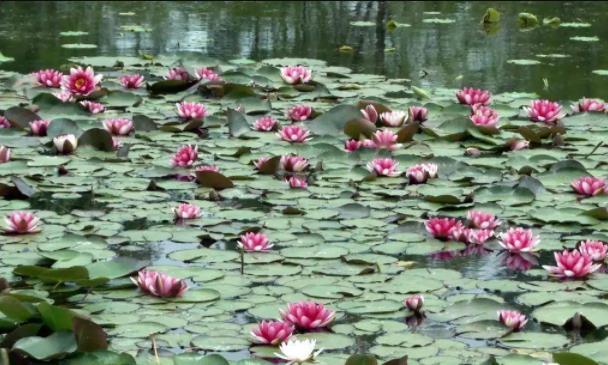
(328, 196)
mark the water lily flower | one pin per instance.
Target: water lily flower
(160, 285)
(131, 81)
(368, 143)
(177, 73)
(208, 168)
(49, 78)
(589, 186)
(589, 105)
(93, 107)
(370, 113)
(293, 163)
(482, 220)
(351, 145)
(191, 110)
(119, 126)
(420, 173)
(513, 320)
(260, 162)
(308, 315)
(5, 154)
(65, 143)
(572, 265)
(483, 116)
(445, 255)
(519, 261)
(64, 96)
(442, 227)
(208, 74)
(394, 118)
(266, 124)
(81, 81)
(253, 241)
(383, 167)
(414, 303)
(548, 112)
(471, 96)
(417, 113)
(21, 222)
(187, 211)
(185, 156)
(298, 352)
(296, 74)
(296, 182)
(597, 250)
(4, 123)
(385, 139)
(478, 236)
(518, 144)
(272, 332)
(298, 113)
(294, 134)
(517, 240)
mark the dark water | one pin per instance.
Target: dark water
(29, 32)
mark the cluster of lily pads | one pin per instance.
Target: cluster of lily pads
(228, 191)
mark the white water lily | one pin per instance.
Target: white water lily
(298, 352)
(66, 143)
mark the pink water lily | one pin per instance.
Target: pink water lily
(208, 74)
(39, 127)
(482, 220)
(442, 227)
(383, 167)
(417, 113)
(518, 240)
(589, 105)
(370, 113)
(254, 242)
(471, 96)
(93, 107)
(308, 315)
(5, 154)
(385, 139)
(589, 186)
(548, 112)
(596, 250)
(513, 320)
(260, 162)
(191, 110)
(21, 222)
(49, 78)
(294, 134)
(131, 81)
(518, 144)
(351, 145)
(207, 168)
(420, 173)
(296, 74)
(187, 211)
(414, 303)
(519, 261)
(572, 265)
(478, 236)
(292, 163)
(394, 118)
(118, 126)
(177, 73)
(81, 81)
(483, 116)
(266, 124)
(185, 156)
(298, 113)
(64, 96)
(4, 123)
(65, 143)
(160, 285)
(296, 182)
(272, 332)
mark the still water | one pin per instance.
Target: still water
(453, 53)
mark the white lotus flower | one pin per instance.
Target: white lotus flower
(298, 352)
(66, 143)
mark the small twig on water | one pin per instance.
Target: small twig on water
(242, 261)
(155, 349)
(600, 143)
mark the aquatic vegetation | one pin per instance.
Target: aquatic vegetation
(93, 107)
(254, 241)
(383, 167)
(572, 264)
(81, 82)
(414, 303)
(21, 223)
(589, 105)
(49, 78)
(65, 143)
(596, 250)
(5, 154)
(472, 96)
(159, 285)
(418, 114)
(589, 186)
(308, 315)
(185, 156)
(518, 240)
(294, 134)
(420, 173)
(295, 351)
(299, 112)
(513, 320)
(393, 118)
(187, 211)
(545, 111)
(272, 332)
(118, 126)
(266, 124)
(191, 110)
(296, 74)
(132, 81)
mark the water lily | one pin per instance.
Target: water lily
(417, 113)
(517, 240)
(589, 105)
(207, 168)
(160, 285)
(4, 123)
(272, 332)
(298, 352)
(572, 265)
(5, 154)
(548, 112)
(131, 81)
(65, 143)
(298, 113)
(370, 113)
(420, 173)
(118, 126)
(292, 163)
(266, 124)
(308, 315)
(597, 250)
(187, 211)
(185, 156)
(64, 96)
(589, 186)
(81, 81)
(116, 143)
(351, 145)
(260, 162)
(441, 227)
(191, 110)
(519, 261)
(478, 236)
(93, 107)
(254, 241)
(512, 319)
(296, 74)
(383, 167)
(482, 220)
(294, 134)
(208, 74)
(21, 222)
(471, 96)
(296, 182)
(394, 118)
(49, 78)
(518, 144)
(177, 73)
(414, 303)
(39, 127)
(483, 116)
